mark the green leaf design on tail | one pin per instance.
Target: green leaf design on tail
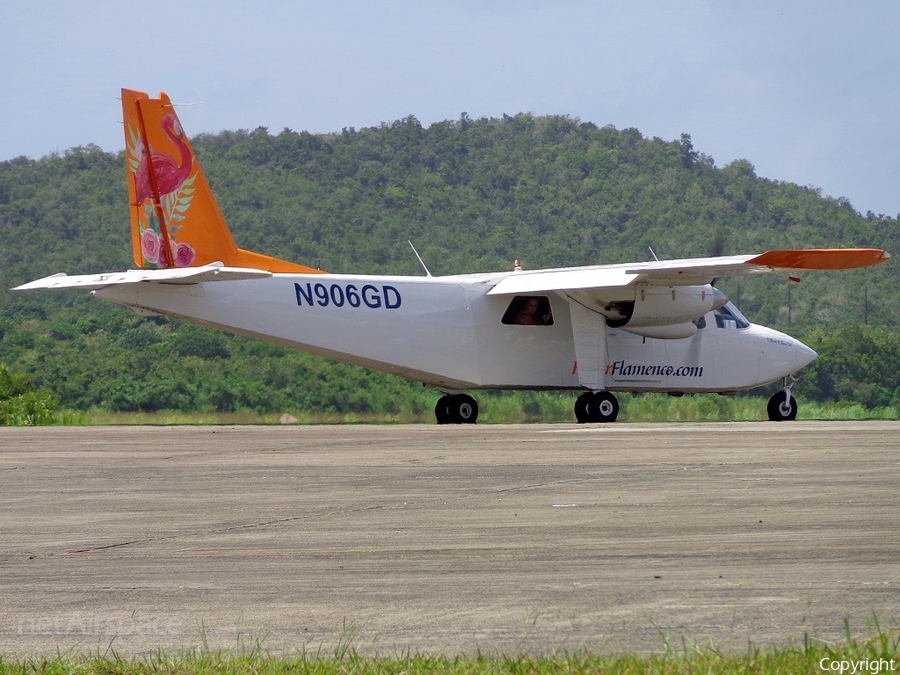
(131, 150)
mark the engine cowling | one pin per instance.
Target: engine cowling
(667, 312)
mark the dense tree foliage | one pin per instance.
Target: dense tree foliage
(472, 195)
(856, 363)
(21, 402)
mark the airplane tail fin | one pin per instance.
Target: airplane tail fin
(175, 220)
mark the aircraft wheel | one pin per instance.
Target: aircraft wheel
(463, 409)
(442, 410)
(603, 407)
(781, 410)
(581, 408)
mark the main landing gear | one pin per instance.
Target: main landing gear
(600, 406)
(597, 406)
(456, 409)
(782, 406)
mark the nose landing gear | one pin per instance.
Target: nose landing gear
(782, 406)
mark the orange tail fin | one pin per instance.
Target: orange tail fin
(175, 221)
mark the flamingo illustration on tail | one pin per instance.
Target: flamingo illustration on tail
(168, 174)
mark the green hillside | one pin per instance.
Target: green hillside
(472, 195)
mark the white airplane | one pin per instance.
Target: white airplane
(638, 327)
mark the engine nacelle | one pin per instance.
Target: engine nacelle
(667, 312)
(674, 331)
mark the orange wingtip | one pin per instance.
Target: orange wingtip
(821, 258)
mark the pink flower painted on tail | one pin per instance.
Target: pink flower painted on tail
(154, 252)
(184, 255)
(150, 245)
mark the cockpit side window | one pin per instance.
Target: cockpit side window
(729, 316)
(528, 310)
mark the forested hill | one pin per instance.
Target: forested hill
(472, 195)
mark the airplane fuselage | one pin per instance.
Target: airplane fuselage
(449, 333)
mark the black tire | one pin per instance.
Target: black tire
(442, 410)
(581, 408)
(781, 410)
(603, 407)
(463, 409)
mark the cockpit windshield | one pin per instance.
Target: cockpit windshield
(729, 316)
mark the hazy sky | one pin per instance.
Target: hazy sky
(807, 91)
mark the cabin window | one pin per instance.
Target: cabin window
(729, 316)
(528, 310)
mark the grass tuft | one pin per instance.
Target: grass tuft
(878, 652)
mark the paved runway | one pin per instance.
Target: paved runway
(446, 539)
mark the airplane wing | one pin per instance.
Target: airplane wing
(184, 275)
(687, 271)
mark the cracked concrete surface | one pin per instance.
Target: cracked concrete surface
(445, 539)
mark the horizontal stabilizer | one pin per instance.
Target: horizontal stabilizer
(185, 275)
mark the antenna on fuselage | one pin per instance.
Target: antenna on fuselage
(421, 262)
(653, 253)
